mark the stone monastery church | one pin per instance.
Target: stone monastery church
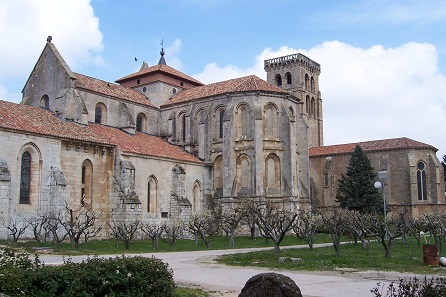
(160, 144)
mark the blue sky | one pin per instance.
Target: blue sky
(383, 62)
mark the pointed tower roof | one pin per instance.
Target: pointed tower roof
(162, 61)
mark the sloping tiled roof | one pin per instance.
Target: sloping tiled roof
(29, 119)
(111, 89)
(369, 146)
(160, 68)
(35, 120)
(243, 84)
(143, 144)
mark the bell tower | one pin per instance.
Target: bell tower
(299, 75)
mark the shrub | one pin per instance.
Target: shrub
(112, 277)
(434, 287)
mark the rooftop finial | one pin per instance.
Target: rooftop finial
(162, 61)
(48, 39)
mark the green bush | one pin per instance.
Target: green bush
(434, 287)
(112, 277)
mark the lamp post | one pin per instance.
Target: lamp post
(379, 185)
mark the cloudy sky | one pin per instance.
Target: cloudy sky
(383, 62)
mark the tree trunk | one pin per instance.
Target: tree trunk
(276, 249)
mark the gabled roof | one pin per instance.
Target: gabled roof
(369, 146)
(143, 144)
(35, 120)
(111, 89)
(249, 83)
(160, 68)
(38, 121)
(51, 47)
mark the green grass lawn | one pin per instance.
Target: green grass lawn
(405, 258)
(112, 246)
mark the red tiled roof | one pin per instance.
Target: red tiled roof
(111, 89)
(143, 144)
(35, 120)
(369, 146)
(243, 84)
(29, 119)
(160, 68)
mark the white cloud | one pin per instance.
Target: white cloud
(25, 25)
(371, 93)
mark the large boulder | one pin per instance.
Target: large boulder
(270, 285)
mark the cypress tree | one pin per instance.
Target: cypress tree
(356, 189)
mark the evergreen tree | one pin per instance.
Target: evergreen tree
(356, 189)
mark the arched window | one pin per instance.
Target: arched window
(312, 84)
(270, 121)
(45, 102)
(197, 120)
(86, 184)
(100, 114)
(196, 192)
(328, 172)
(25, 178)
(242, 121)
(141, 123)
(218, 173)
(182, 127)
(152, 194)
(279, 80)
(421, 181)
(272, 172)
(313, 108)
(243, 168)
(307, 81)
(220, 123)
(289, 81)
(291, 109)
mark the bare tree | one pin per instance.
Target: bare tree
(204, 225)
(435, 224)
(78, 222)
(153, 230)
(55, 227)
(334, 221)
(415, 226)
(274, 222)
(358, 224)
(16, 227)
(230, 219)
(248, 211)
(306, 226)
(171, 230)
(124, 231)
(39, 226)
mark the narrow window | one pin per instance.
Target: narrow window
(313, 108)
(307, 105)
(25, 178)
(138, 81)
(86, 183)
(312, 84)
(421, 181)
(151, 195)
(288, 78)
(222, 114)
(244, 119)
(307, 81)
(139, 124)
(98, 115)
(45, 102)
(278, 80)
(196, 197)
(327, 172)
(183, 120)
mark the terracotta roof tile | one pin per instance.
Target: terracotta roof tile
(143, 144)
(243, 84)
(34, 120)
(29, 119)
(369, 146)
(111, 89)
(160, 68)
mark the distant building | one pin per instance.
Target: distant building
(162, 145)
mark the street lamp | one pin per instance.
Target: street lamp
(379, 185)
